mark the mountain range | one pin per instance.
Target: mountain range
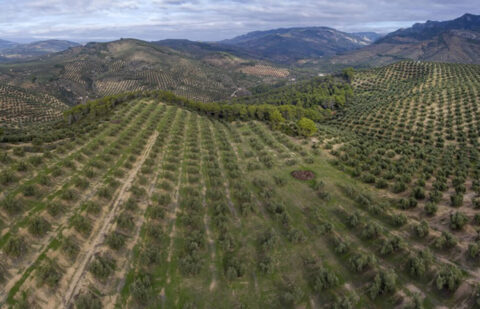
(11, 51)
(456, 40)
(206, 71)
(293, 44)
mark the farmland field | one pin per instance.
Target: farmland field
(160, 206)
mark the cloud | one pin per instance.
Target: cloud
(210, 19)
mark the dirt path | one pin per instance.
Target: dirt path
(61, 157)
(107, 223)
(210, 240)
(237, 157)
(211, 247)
(136, 236)
(43, 243)
(226, 184)
(173, 219)
(57, 186)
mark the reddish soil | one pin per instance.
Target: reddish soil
(303, 175)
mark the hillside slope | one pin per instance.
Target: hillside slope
(450, 41)
(100, 69)
(155, 205)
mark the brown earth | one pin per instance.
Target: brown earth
(303, 175)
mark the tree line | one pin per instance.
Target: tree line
(293, 109)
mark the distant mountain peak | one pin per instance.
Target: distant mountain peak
(431, 29)
(456, 40)
(287, 45)
(15, 51)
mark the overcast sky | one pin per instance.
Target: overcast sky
(209, 20)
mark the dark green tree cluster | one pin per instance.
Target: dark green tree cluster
(326, 92)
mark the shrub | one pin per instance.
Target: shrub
(89, 172)
(361, 261)
(125, 221)
(456, 200)
(341, 247)
(418, 264)
(473, 250)
(54, 208)
(381, 184)
(82, 225)
(19, 151)
(11, 205)
(383, 283)
(38, 226)
(92, 207)
(7, 177)
(49, 273)
(399, 220)
(150, 255)
(421, 229)
(370, 231)
(354, 219)
(233, 266)
(419, 193)
(458, 220)
(448, 277)
(29, 190)
(430, 208)
(15, 247)
(44, 180)
(80, 182)
(368, 178)
(115, 240)
(131, 204)
(141, 288)
(476, 202)
(445, 241)
(477, 296)
(321, 278)
(399, 187)
(392, 245)
(279, 181)
(345, 302)
(105, 192)
(88, 301)
(407, 203)
(102, 267)
(68, 195)
(70, 248)
(156, 212)
(476, 219)
(435, 196)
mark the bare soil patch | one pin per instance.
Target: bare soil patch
(303, 175)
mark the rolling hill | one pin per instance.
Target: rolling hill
(150, 203)
(100, 69)
(456, 40)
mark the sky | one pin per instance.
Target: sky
(210, 20)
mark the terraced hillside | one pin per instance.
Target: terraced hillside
(101, 69)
